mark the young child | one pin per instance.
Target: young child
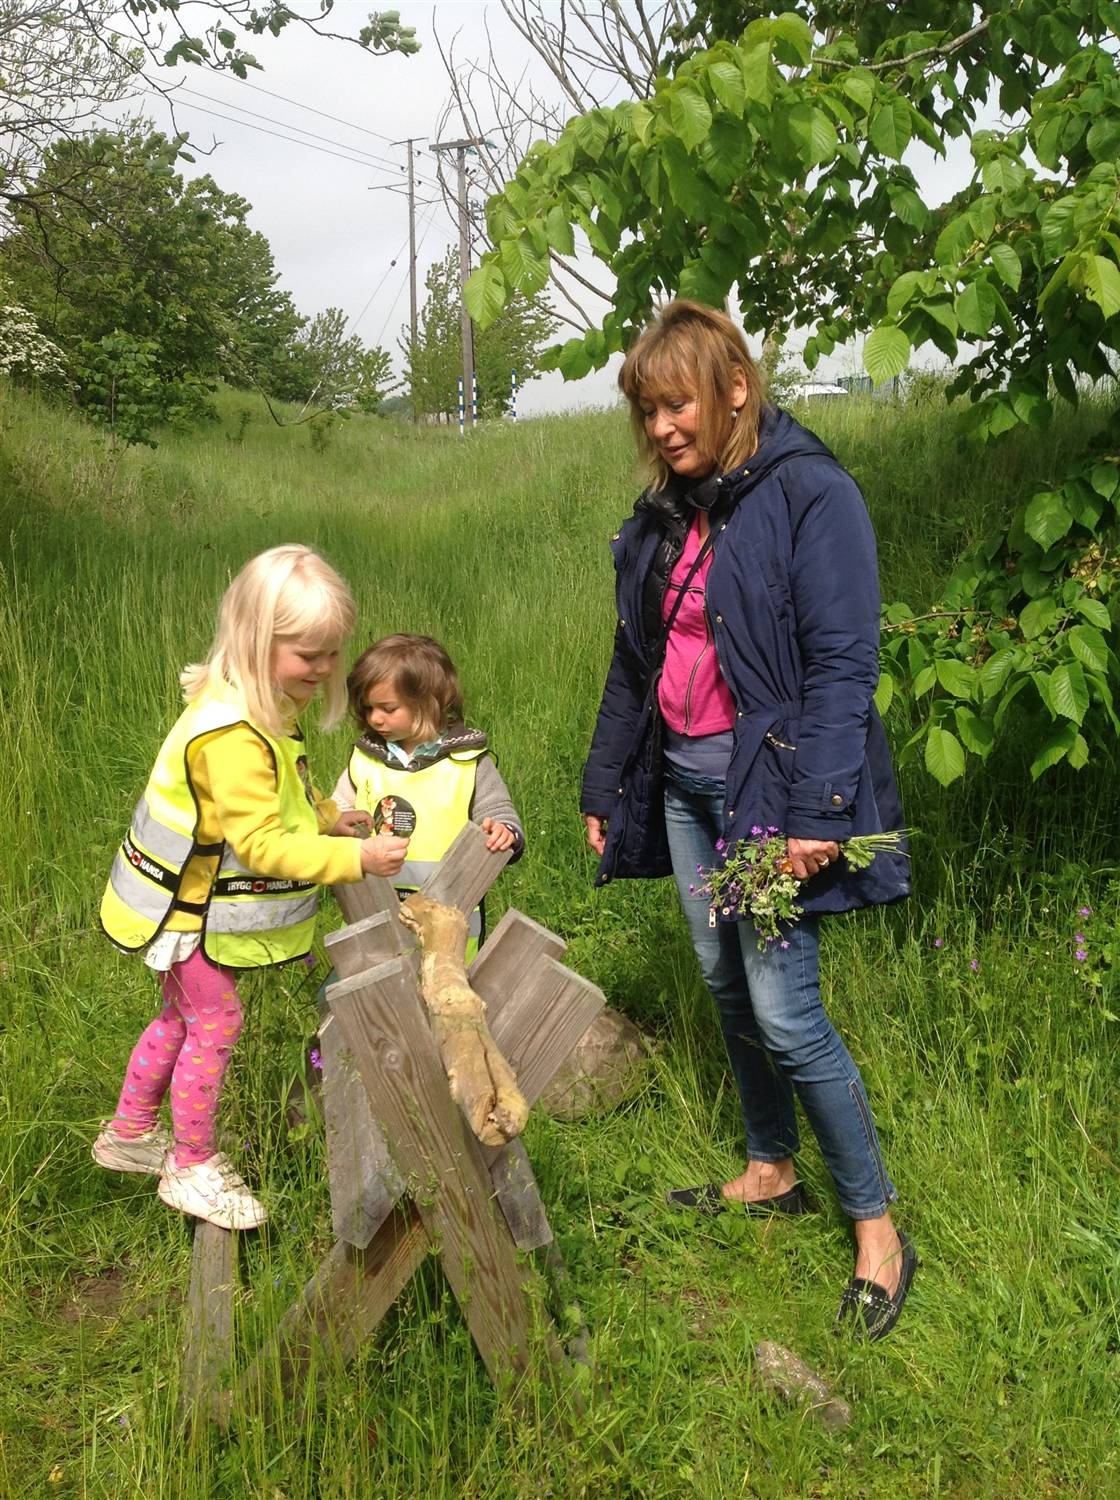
(417, 770)
(221, 866)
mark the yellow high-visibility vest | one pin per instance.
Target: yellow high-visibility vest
(248, 920)
(440, 795)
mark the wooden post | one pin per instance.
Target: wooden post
(208, 1352)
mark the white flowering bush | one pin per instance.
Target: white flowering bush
(26, 354)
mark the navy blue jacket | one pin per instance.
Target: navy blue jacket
(793, 601)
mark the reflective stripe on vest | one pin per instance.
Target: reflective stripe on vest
(249, 920)
(441, 796)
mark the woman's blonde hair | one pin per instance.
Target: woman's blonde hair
(694, 351)
(285, 594)
(420, 672)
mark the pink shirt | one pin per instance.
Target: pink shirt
(693, 696)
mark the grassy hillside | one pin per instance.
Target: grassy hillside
(989, 1057)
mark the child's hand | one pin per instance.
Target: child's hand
(384, 855)
(499, 838)
(352, 825)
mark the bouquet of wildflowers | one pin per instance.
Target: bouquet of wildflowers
(757, 879)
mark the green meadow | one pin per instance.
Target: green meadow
(989, 1051)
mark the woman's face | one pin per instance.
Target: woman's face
(672, 423)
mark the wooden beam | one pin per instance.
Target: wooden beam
(466, 872)
(208, 1353)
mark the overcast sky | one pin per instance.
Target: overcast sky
(312, 143)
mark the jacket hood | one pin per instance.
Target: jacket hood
(452, 741)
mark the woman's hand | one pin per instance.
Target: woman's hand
(499, 837)
(810, 856)
(596, 832)
(384, 855)
(352, 825)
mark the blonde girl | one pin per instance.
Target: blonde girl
(221, 866)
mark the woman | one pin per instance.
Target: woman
(739, 698)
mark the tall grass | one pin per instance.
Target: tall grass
(989, 1059)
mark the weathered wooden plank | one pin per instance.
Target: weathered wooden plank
(365, 898)
(208, 1352)
(383, 1019)
(342, 1304)
(379, 935)
(541, 1022)
(466, 872)
(364, 1183)
(509, 956)
(518, 1195)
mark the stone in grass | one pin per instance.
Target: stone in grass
(605, 1065)
(785, 1372)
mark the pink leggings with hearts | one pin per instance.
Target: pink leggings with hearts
(184, 1052)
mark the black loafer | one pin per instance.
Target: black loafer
(708, 1199)
(872, 1311)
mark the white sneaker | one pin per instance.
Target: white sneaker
(136, 1153)
(213, 1191)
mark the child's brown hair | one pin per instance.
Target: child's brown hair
(420, 671)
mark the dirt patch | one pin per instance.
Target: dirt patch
(110, 1294)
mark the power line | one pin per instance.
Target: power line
(431, 219)
(336, 119)
(358, 161)
(328, 140)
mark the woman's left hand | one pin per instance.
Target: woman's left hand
(810, 856)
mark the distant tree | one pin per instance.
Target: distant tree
(327, 367)
(143, 274)
(435, 363)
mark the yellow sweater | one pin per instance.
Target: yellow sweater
(234, 780)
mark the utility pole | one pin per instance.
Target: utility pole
(412, 328)
(461, 148)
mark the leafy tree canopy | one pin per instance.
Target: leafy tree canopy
(770, 167)
(512, 342)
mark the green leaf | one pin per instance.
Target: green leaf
(559, 231)
(956, 677)
(758, 72)
(944, 756)
(226, 38)
(591, 132)
(976, 732)
(995, 671)
(1003, 174)
(1094, 611)
(976, 308)
(794, 31)
(1037, 616)
(1103, 139)
(860, 88)
(1078, 756)
(886, 353)
(1055, 748)
(1069, 692)
(923, 681)
(1089, 646)
(1101, 279)
(1104, 479)
(891, 130)
(954, 241)
(903, 290)
(728, 86)
(525, 268)
(884, 694)
(815, 134)
(485, 293)
(689, 114)
(1008, 266)
(573, 359)
(1046, 518)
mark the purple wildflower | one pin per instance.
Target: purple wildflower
(699, 869)
(692, 890)
(784, 944)
(939, 942)
(1084, 911)
(1080, 939)
(1081, 955)
(974, 965)
(721, 845)
(316, 1059)
(772, 829)
(756, 831)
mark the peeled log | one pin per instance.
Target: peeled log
(482, 1082)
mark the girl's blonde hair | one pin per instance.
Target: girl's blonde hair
(286, 594)
(420, 671)
(694, 351)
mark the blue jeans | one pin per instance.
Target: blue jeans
(778, 1038)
